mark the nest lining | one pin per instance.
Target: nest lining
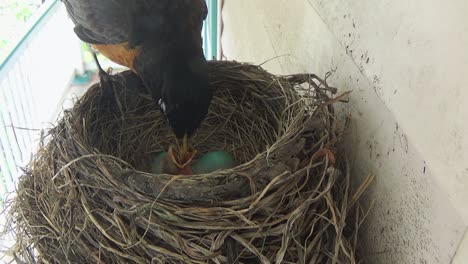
(86, 198)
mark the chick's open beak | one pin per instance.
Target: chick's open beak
(183, 156)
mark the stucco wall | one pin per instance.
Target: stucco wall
(406, 62)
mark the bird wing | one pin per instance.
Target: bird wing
(108, 21)
(166, 22)
(100, 21)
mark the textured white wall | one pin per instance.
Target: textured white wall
(406, 62)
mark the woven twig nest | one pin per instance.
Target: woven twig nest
(86, 198)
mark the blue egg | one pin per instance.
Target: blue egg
(213, 161)
(156, 162)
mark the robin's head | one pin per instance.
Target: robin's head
(185, 94)
(178, 82)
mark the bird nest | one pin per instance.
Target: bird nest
(87, 197)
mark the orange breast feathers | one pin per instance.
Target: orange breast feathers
(118, 53)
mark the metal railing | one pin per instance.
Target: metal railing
(33, 79)
(210, 30)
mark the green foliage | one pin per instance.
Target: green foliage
(13, 15)
(22, 9)
(88, 56)
(24, 13)
(3, 43)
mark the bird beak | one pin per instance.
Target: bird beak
(178, 162)
(184, 149)
(184, 156)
